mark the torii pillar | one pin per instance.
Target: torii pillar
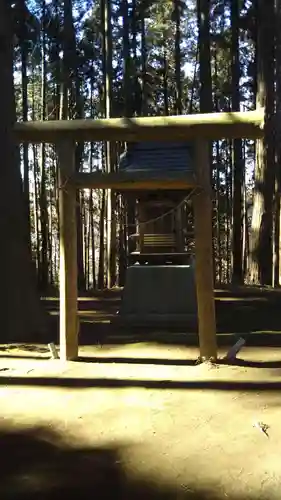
(68, 253)
(204, 254)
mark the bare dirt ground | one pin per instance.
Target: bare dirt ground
(142, 420)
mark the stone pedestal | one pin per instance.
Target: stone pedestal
(160, 296)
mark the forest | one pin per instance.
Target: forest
(71, 59)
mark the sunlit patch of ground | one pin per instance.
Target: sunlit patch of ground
(181, 426)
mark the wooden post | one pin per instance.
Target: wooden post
(68, 253)
(204, 255)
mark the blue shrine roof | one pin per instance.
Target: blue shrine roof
(155, 156)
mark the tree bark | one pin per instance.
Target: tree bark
(71, 93)
(43, 202)
(178, 100)
(277, 232)
(205, 76)
(261, 251)
(21, 313)
(238, 167)
(24, 76)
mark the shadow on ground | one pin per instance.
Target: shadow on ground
(176, 362)
(119, 383)
(36, 463)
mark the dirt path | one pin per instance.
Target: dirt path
(140, 421)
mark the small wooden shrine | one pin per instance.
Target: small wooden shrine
(162, 222)
(160, 265)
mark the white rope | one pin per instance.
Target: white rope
(172, 210)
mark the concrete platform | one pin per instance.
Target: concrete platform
(162, 296)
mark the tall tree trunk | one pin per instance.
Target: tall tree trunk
(178, 103)
(218, 217)
(218, 253)
(134, 25)
(35, 194)
(126, 60)
(131, 203)
(165, 82)
(238, 167)
(122, 242)
(101, 243)
(277, 231)
(110, 195)
(79, 195)
(205, 76)
(261, 252)
(36, 211)
(21, 313)
(24, 62)
(245, 247)
(70, 99)
(229, 209)
(144, 98)
(92, 240)
(44, 263)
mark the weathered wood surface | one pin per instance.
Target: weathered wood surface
(68, 254)
(212, 126)
(202, 203)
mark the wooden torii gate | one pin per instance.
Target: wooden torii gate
(199, 128)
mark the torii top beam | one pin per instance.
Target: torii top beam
(208, 126)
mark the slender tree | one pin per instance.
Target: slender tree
(238, 166)
(23, 39)
(177, 16)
